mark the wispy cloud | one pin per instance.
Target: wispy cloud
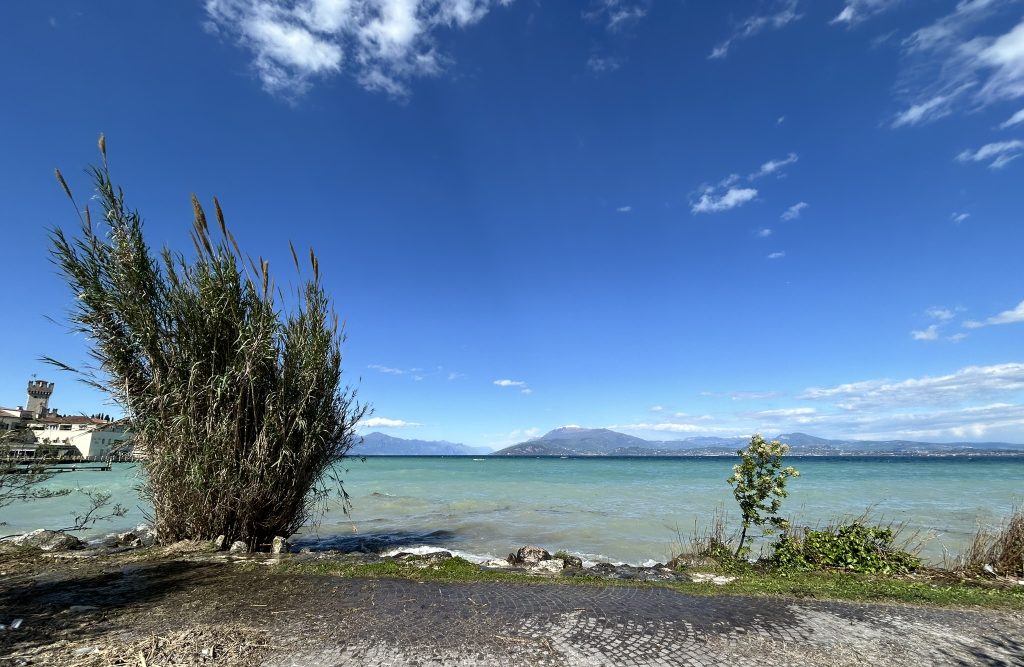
(384, 422)
(624, 209)
(1015, 119)
(385, 43)
(601, 64)
(940, 313)
(617, 15)
(794, 211)
(776, 255)
(959, 217)
(387, 370)
(774, 166)
(784, 14)
(855, 11)
(972, 383)
(764, 233)
(712, 201)
(954, 65)
(1001, 153)
(931, 333)
(1011, 316)
(510, 383)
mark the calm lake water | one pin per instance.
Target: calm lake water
(626, 510)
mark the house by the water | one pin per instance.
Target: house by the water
(37, 430)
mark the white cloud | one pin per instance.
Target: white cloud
(669, 427)
(510, 383)
(456, 376)
(1011, 316)
(764, 233)
(780, 120)
(931, 109)
(387, 369)
(957, 337)
(624, 209)
(617, 15)
(855, 11)
(385, 43)
(384, 422)
(794, 211)
(776, 255)
(939, 313)
(1001, 153)
(711, 202)
(773, 166)
(601, 64)
(959, 217)
(1015, 119)
(931, 333)
(954, 66)
(967, 384)
(784, 15)
(784, 412)
(526, 391)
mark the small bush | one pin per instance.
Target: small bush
(852, 546)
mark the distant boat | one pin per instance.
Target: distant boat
(479, 459)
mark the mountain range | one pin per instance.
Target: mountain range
(379, 444)
(576, 441)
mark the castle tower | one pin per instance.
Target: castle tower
(39, 392)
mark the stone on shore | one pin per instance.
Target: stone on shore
(279, 545)
(529, 556)
(48, 540)
(218, 543)
(550, 566)
(239, 547)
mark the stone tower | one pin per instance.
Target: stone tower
(39, 392)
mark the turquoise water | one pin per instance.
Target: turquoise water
(626, 510)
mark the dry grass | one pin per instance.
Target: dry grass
(218, 646)
(999, 547)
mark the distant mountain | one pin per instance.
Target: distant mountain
(379, 444)
(575, 441)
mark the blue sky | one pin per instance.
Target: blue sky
(670, 218)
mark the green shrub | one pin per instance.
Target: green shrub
(851, 546)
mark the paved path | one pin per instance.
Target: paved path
(322, 621)
(405, 623)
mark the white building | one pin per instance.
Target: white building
(42, 426)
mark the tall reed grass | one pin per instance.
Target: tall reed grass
(235, 400)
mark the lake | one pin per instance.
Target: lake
(620, 509)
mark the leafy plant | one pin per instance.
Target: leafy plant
(851, 546)
(759, 485)
(235, 402)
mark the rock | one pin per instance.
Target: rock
(48, 540)
(424, 560)
(279, 545)
(81, 609)
(239, 547)
(988, 569)
(219, 542)
(550, 566)
(707, 578)
(573, 562)
(497, 562)
(529, 556)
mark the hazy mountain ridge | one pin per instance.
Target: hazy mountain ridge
(575, 441)
(380, 444)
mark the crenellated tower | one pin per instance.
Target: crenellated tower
(39, 392)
